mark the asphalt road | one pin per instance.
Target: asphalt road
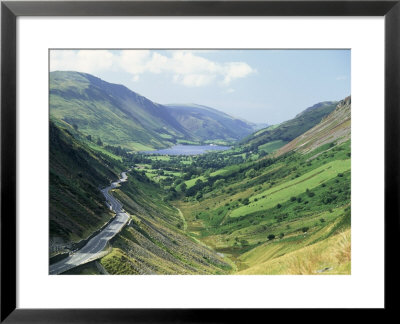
(92, 250)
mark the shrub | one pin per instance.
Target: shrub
(271, 237)
(183, 187)
(293, 198)
(305, 229)
(244, 242)
(310, 193)
(281, 235)
(328, 198)
(278, 206)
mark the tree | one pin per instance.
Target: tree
(99, 142)
(198, 182)
(310, 193)
(251, 173)
(183, 187)
(218, 183)
(271, 237)
(305, 229)
(244, 242)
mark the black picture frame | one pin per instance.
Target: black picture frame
(10, 10)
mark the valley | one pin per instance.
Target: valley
(275, 200)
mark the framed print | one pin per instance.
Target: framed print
(180, 155)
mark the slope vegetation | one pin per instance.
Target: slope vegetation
(334, 127)
(77, 206)
(289, 130)
(288, 213)
(115, 115)
(155, 242)
(111, 112)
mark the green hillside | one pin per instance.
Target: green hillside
(77, 206)
(111, 112)
(334, 127)
(279, 203)
(288, 214)
(289, 130)
(155, 241)
(120, 117)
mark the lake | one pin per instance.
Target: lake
(188, 149)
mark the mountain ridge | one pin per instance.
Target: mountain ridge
(119, 116)
(287, 131)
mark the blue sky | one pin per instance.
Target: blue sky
(262, 86)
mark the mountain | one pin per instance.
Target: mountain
(111, 112)
(77, 206)
(285, 213)
(154, 240)
(120, 117)
(336, 127)
(279, 135)
(210, 124)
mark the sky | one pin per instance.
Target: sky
(260, 86)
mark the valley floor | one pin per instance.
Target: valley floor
(238, 211)
(269, 221)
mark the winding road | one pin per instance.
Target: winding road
(94, 248)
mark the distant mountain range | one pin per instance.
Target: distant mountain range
(119, 116)
(208, 123)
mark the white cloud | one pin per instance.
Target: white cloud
(193, 80)
(236, 70)
(133, 61)
(83, 61)
(184, 67)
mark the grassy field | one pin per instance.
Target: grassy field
(277, 194)
(331, 256)
(289, 207)
(272, 146)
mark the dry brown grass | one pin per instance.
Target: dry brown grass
(331, 256)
